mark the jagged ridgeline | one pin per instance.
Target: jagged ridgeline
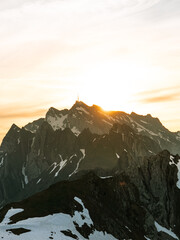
(92, 174)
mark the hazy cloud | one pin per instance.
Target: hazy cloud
(165, 98)
(160, 95)
(116, 4)
(173, 89)
(23, 114)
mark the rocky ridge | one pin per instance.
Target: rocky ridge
(81, 116)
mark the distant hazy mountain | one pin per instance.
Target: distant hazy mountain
(114, 179)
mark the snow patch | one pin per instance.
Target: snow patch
(106, 177)
(123, 137)
(54, 166)
(108, 116)
(144, 122)
(38, 181)
(74, 155)
(25, 176)
(178, 136)
(172, 160)
(75, 131)
(39, 151)
(32, 131)
(77, 217)
(2, 161)
(140, 128)
(178, 167)
(32, 142)
(83, 152)
(178, 174)
(83, 110)
(128, 228)
(163, 229)
(9, 214)
(89, 121)
(61, 165)
(77, 167)
(107, 122)
(56, 121)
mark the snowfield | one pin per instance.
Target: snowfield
(50, 227)
(165, 230)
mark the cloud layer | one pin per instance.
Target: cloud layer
(171, 94)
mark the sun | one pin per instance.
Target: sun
(112, 85)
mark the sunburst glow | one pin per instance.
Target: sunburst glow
(112, 85)
(109, 52)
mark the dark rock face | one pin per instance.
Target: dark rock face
(157, 180)
(37, 160)
(13, 154)
(70, 234)
(18, 231)
(34, 126)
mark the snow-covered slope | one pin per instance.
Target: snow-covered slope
(56, 226)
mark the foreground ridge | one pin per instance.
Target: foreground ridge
(123, 206)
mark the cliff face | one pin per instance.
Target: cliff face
(33, 161)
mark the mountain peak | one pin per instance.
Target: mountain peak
(14, 127)
(52, 111)
(98, 108)
(79, 104)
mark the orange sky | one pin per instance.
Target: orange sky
(121, 55)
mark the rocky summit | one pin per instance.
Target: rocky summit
(85, 173)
